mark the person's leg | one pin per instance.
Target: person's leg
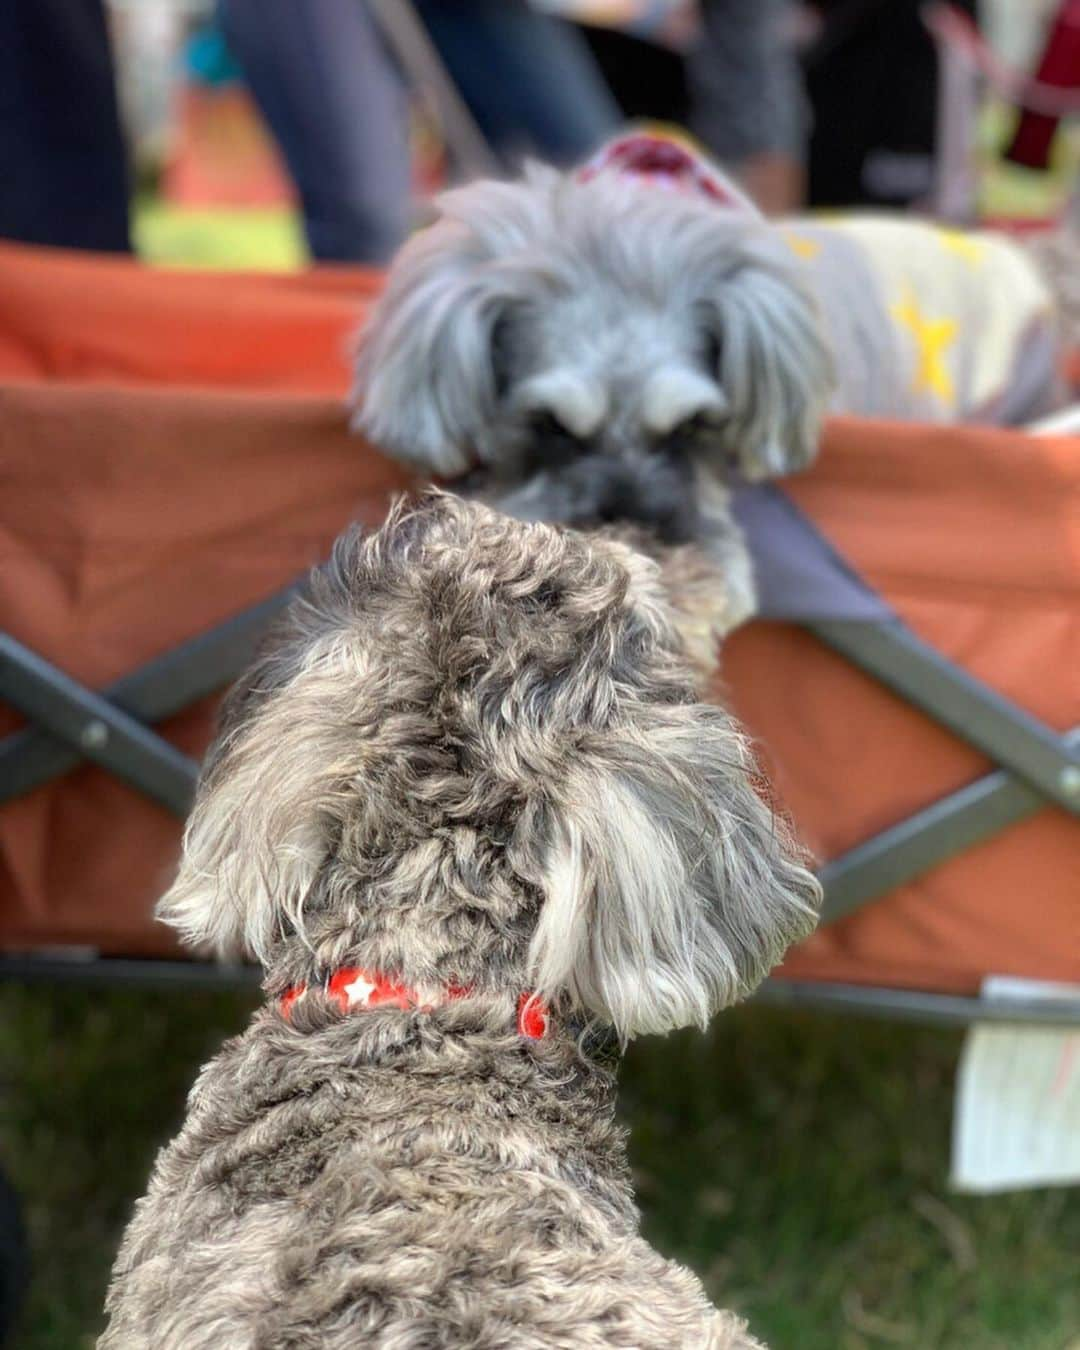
(63, 162)
(333, 99)
(748, 100)
(529, 80)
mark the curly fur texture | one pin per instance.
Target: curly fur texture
(473, 756)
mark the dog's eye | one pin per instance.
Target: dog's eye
(714, 351)
(551, 443)
(688, 434)
(545, 423)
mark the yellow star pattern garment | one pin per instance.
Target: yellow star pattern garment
(963, 245)
(932, 339)
(801, 246)
(925, 322)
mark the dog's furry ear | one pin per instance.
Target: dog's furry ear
(670, 887)
(269, 801)
(291, 754)
(772, 360)
(425, 378)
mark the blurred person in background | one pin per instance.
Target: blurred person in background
(730, 73)
(872, 81)
(747, 99)
(336, 102)
(63, 161)
(327, 87)
(528, 78)
(327, 84)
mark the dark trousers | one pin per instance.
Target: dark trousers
(63, 162)
(335, 102)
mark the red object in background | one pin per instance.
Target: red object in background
(430, 169)
(224, 154)
(1058, 69)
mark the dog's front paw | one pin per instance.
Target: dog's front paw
(741, 592)
(709, 600)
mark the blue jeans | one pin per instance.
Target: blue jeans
(335, 102)
(327, 88)
(530, 80)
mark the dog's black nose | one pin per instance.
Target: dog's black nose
(621, 501)
(663, 509)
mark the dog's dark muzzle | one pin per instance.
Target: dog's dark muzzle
(656, 494)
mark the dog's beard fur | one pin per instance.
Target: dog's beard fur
(600, 354)
(475, 757)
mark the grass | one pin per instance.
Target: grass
(268, 240)
(1008, 190)
(797, 1163)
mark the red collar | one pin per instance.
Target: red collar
(354, 990)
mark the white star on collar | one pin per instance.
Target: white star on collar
(360, 991)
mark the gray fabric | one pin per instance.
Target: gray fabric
(1000, 357)
(799, 574)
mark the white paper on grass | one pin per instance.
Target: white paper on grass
(1016, 1120)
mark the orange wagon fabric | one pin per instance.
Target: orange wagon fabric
(173, 449)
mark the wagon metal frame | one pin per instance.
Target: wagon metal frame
(1036, 767)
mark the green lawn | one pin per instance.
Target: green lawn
(797, 1162)
(269, 240)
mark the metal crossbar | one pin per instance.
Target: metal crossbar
(98, 729)
(108, 729)
(916, 1005)
(957, 822)
(1009, 735)
(157, 690)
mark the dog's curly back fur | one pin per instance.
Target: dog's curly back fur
(472, 758)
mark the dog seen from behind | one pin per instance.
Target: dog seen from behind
(464, 806)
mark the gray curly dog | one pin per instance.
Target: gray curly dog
(466, 803)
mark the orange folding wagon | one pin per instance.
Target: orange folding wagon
(174, 457)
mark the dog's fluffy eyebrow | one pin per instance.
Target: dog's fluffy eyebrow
(674, 395)
(578, 404)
